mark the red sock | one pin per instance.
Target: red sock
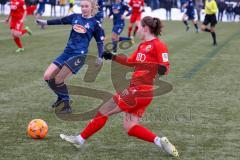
(142, 133)
(94, 125)
(18, 42)
(135, 30)
(129, 31)
(23, 32)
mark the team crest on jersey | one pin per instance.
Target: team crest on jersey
(87, 26)
(148, 48)
(79, 28)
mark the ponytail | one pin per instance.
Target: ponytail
(155, 25)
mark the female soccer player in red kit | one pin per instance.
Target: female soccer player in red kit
(17, 16)
(150, 59)
(137, 8)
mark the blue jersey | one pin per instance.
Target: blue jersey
(83, 29)
(117, 10)
(190, 7)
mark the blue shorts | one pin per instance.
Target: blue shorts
(191, 16)
(41, 9)
(117, 29)
(73, 61)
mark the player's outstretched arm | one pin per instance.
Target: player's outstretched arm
(120, 58)
(59, 21)
(49, 22)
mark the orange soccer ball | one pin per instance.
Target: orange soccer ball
(37, 129)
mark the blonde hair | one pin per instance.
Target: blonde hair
(94, 5)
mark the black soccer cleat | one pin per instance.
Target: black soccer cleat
(214, 43)
(57, 103)
(66, 109)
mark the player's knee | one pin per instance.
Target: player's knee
(203, 28)
(212, 29)
(47, 76)
(16, 34)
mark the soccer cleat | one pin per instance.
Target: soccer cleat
(132, 40)
(168, 147)
(187, 29)
(19, 50)
(57, 103)
(197, 31)
(29, 31)
(67, 108)
(214, 43)
(72, 140)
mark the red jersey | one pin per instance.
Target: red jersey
(18, 8)
(146, 60)
(136, 6)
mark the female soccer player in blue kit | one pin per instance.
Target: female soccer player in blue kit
(84, 27)
(117, 10)
(190, 14)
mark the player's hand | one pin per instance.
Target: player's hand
(99, 61)
(123, 17)
(162, 70)
(41, 22)
(107, 55)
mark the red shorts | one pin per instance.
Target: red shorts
(16, 24)
(135, 17)
(135, 102)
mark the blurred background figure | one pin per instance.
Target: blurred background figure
(31, 6)
(53, 7)
(221, 8)
(168, 7)
(107, 7)
(155, 4)
(237, 11)
(62, 4)
(41, 8)
(199, 7)
(2, 3)
(71, 5)
(182, 2)
(229, 12)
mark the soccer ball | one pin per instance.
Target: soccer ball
(37, 129)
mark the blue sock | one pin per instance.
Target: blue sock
(115, 45)
(60, 89)
(124, 39)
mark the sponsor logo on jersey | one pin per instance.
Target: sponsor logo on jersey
(141, 57)
(165, 57)
(79, 28)
(13, 6)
